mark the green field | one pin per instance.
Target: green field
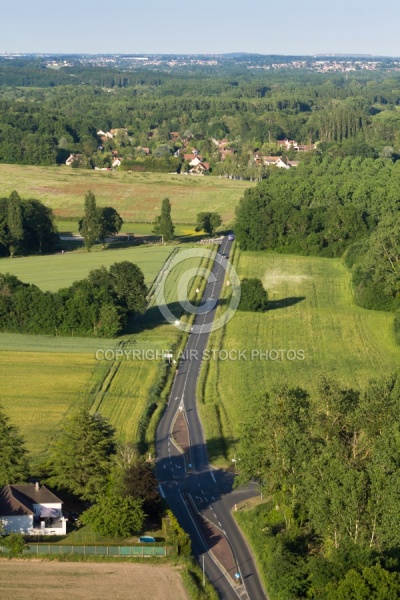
(65, 226)
(311, 309)
(44, 377)
(55, 271)
(136, 196)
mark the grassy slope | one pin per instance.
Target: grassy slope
(137, 196)
(339, 339)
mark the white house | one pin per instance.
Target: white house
(31, 510)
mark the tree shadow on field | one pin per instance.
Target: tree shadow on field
(285, 302)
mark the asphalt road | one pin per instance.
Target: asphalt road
(203, 488)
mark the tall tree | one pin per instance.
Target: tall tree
(110, 222)
(208, 222)
(89, 225)
(128, 284)
(81, 457)
(163, 224)
(15, 223)
(14, 466)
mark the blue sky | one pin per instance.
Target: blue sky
(205, 26)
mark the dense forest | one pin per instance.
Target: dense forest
(329, 206)
(331, 467)
(45, 115)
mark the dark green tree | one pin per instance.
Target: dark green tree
(127, 281)
(110, 222)
(253, 296)
(14, 223)
(14, 467)
(141, 482)
(163, 224)
(89, 225)
(117, 516)
(40, 231)
(81, 457)
(208, 222)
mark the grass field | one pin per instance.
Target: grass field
(33, 580)
(60, 270)
(138, 229)
(312, 310)
(136, 196)
(44, 377)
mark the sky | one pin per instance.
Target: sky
(202, 27)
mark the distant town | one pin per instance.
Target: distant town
(336, 63)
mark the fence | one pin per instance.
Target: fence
(134, 551)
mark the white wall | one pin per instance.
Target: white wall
(18, 524)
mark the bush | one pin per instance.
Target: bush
(14, 543)
(254, 297)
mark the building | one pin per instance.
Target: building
(72, 158)
(31, 509)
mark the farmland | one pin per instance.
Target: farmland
(311, 310)
(23, 580)
(44, 377)
(136, 196)
(55, 271)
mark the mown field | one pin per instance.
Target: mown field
(55, 271)
(182, 232)
(45, 377)
(32, 580)
(312, 311)
(136, 196)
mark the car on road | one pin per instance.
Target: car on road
(231, 237)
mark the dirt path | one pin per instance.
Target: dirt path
(35, 580)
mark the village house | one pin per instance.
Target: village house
(225, 152)
(192, 156)
(278, 161)
(31, 509)
(304, 147)
(198, 167)
(286, 144)
(72, 158)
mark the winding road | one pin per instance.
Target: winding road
(200, 494)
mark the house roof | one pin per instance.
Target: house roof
(271, 159)
(19, 499)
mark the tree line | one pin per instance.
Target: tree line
(99, 305)
(329, 206)
(330, 467)
(26, 227)
(43, 124)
